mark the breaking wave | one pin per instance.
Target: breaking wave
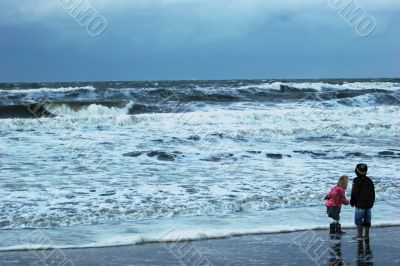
(174, 97)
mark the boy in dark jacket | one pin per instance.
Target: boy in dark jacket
(363, 198)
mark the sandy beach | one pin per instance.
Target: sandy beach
(297, 248)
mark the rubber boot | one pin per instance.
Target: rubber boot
(368, 251)
(366, 232)
(359, 232)
(332, 228)
(339, 229)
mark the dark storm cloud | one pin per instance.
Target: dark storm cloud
(202, 39)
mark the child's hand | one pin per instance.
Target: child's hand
(327, 197)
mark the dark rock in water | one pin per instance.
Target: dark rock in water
(133, 154)
(196, 138)
(106, 143)
(219, 157)
(218, 135)
(356, 154)
(312, 153)
(153, 153)
(108, 193)
(386, 153)
(212, 159)
(254, 152)
(166, 157)
(274, 155)
(162, 155)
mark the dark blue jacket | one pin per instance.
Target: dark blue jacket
(362, 193)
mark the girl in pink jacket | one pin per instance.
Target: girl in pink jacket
(335, 199)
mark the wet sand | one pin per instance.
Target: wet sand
(298, 248)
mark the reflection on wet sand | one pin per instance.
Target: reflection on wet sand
(364, 252)
(335, 258)
(365, 256)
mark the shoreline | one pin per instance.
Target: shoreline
(36, 247)
(291, 248)
(186, 228)
(180, 229)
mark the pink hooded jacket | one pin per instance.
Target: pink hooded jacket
(336, 197)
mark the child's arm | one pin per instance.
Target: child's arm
(343, 198)
(346, 201)
(328, 197)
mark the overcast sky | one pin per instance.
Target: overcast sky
(196, 39)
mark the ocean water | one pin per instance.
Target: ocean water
(113, 163)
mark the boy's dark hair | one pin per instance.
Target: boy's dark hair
(361, 169)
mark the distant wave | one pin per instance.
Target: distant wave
(81, 109)
(162, 98)
(46, 89)
(313, 121)
(389, 84)
(189, 103)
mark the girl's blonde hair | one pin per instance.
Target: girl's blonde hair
(343, 181)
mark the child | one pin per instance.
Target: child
(363, 198)
(335, 199)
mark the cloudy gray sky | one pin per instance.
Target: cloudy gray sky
(196, 39)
